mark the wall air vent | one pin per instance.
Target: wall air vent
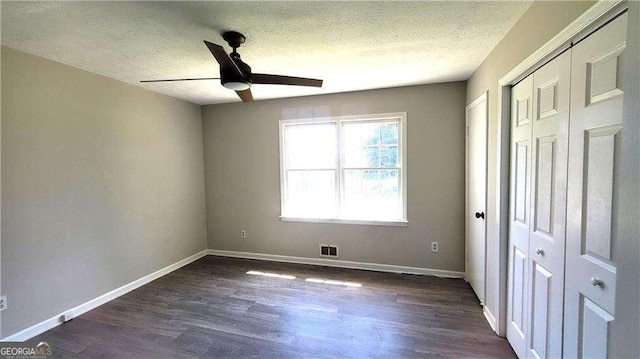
(328, 250)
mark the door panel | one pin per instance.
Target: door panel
(476, 195)
(600, 156)
(518, 294)
(595, 330)
(550, 140)
(594, 154)
(603, 76)
(542, 293)
(521, 181)
(545, 184)
(519, 207)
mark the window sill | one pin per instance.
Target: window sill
(346, 221)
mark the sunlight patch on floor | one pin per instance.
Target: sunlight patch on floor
(272, 275)
(334, 282)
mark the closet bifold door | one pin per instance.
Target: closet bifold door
(549, 153)
(519, 216)
(594, 155)
(539, 147)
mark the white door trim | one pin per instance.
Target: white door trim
(482, 98)
(477, 101)
(596, 15)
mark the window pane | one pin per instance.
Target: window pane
(369, 132)
(371, 157)
(357, 137)
(310, 146)
(389, 184)
(389, 133)
(389, 156)
(367, 144)
(310, 194)
(371, 194)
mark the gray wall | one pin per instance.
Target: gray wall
(539, 24)
(102, 184)
(626, 328)
(243, 186)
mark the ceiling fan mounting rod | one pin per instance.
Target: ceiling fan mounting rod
(234, 39)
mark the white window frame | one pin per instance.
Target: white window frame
(400, 117)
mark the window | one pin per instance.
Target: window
(344, 169)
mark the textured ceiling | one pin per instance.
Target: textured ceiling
(351, 45)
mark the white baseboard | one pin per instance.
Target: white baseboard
(490, 318)
(96, 302)
(339, 263)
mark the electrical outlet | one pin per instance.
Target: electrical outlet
(3, 302)
(243, 234)
(435, 247)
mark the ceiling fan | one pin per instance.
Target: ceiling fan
(236, 75)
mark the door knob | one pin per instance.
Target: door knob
(540, 251)
(480, 215)
(597, 282)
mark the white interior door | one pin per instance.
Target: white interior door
(594, 155)
(519, 216)
(475, 222)
(549, 147)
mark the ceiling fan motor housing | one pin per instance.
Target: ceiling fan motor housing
(230, 76)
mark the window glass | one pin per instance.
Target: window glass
(344, 168)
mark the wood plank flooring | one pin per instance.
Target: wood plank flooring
(213, 309)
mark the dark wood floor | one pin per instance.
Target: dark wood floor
(212, 308)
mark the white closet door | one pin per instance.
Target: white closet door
(519, 216)
(476, 229)
(594, 155)
(549, 146)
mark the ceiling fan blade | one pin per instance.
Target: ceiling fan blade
(223, 59)
(267, 79)
(245, 95)
(194, 79)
